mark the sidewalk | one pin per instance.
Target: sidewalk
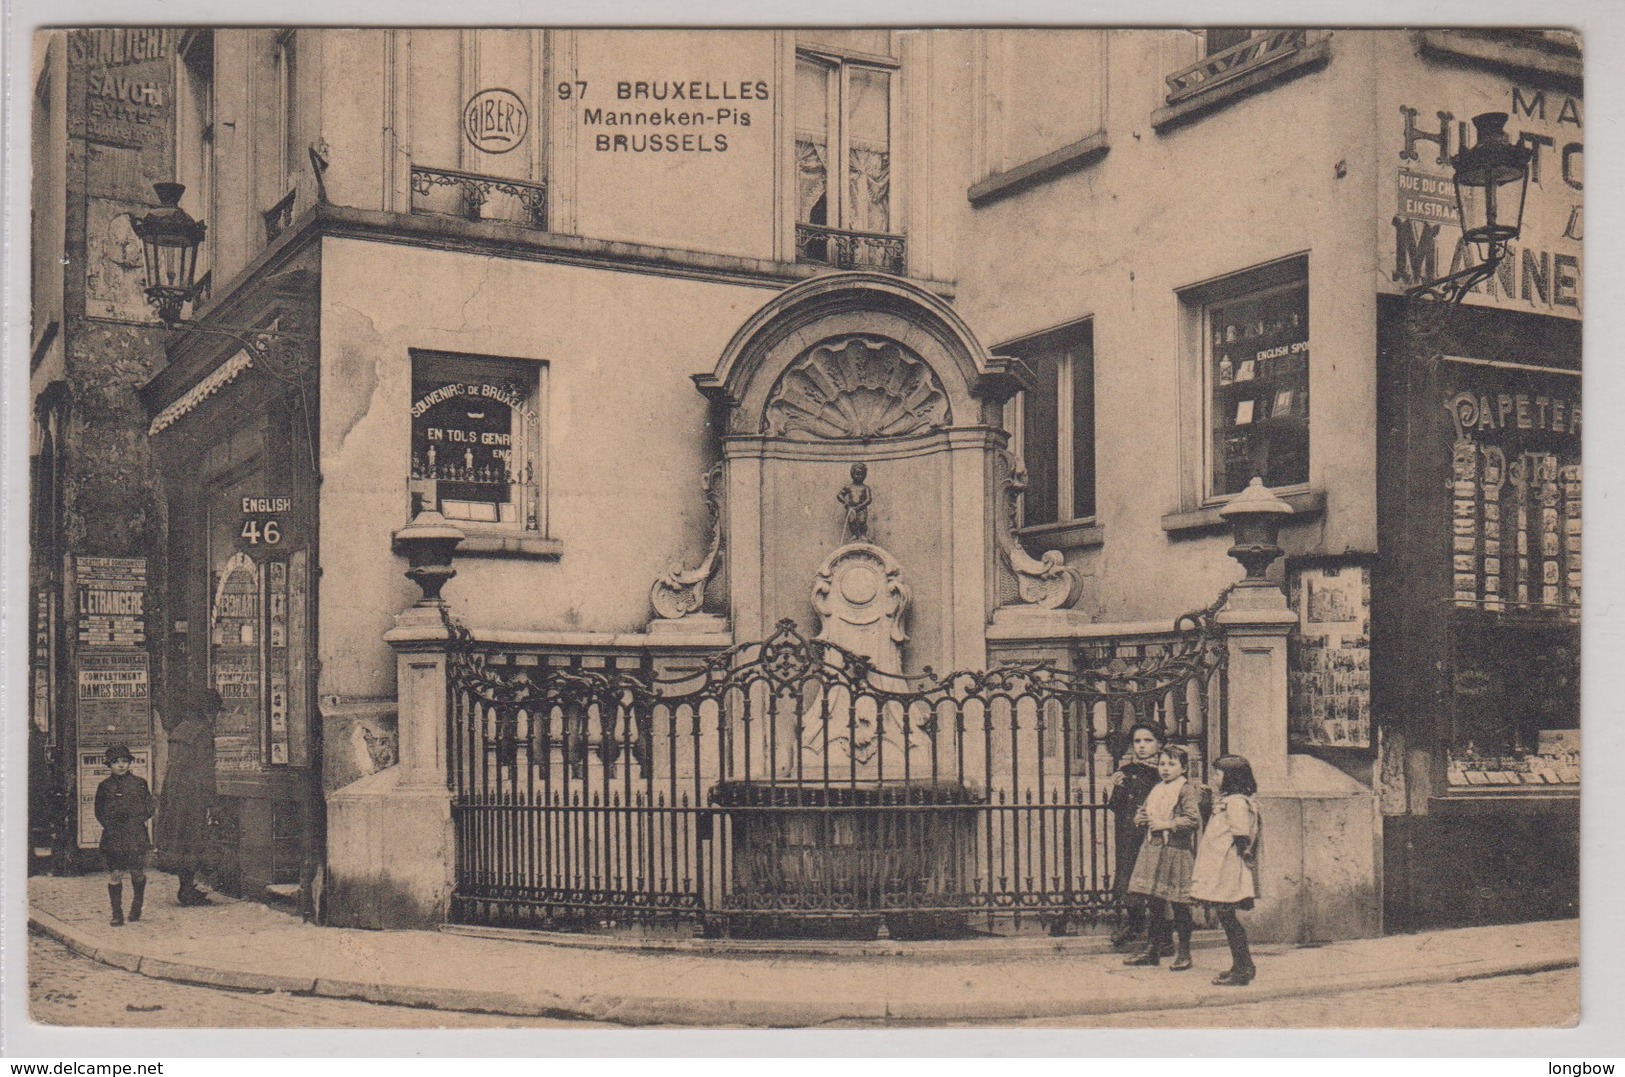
(243, 944)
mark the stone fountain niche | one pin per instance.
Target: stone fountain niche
(861, 369)
(862, 473)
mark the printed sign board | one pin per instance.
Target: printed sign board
(111, 597)
(1428, 121)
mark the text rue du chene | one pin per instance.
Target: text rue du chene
(666, 115)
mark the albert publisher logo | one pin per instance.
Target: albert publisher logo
(495, 121)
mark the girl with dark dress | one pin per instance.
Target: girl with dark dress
(1172, 815)
(1125, 791)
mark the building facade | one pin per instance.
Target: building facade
(103, 116)
(1106, 277)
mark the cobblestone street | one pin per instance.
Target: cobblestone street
(68, 989)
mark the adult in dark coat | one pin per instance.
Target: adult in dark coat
(123, 806)
(1126, 790)
(188, 793)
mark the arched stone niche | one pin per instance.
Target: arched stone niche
(850, 368)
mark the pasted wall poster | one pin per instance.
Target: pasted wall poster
(1329, 659)
(112, 670)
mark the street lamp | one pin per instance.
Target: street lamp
(169, 241)
(1491, 179)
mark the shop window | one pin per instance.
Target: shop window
(845, 213)
(1055, 425)
(1256, 372)
(476, 441)
(1513, 502)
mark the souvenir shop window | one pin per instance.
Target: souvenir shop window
(1055, 426)
(476, 441)
(1256, 370)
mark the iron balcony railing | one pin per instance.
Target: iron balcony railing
(478, 197)
(1261, 50)
(846, 249)
(203, 290)
(280, 216)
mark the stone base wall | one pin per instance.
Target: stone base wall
(390, 854)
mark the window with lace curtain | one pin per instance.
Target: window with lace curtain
(844, 208)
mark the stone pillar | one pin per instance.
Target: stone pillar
(420, 639)
(1320, 848)
(391, 852)
(1256, 625)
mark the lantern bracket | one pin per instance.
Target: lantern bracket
(1453, 288)
(1490, 164)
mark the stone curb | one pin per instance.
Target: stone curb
(933, 952)
(470, 1000)
(764, 1012)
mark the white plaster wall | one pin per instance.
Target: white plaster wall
(1258, 180)
(623, 424)
(719, 200)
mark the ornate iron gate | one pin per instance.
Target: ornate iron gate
(787, 787)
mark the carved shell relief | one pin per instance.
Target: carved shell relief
(856, 387)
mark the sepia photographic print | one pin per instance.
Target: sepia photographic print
(786, 528)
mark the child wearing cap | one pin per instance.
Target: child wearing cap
(123, 806)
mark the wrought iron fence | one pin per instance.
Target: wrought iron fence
(478, 197)
(787, 787)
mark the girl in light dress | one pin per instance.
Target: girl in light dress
(1225, 875)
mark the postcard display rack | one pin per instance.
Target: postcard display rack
(1260, 356)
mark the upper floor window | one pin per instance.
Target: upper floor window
(477, 441)
(194, 117)
(480, 154)
(287, 66)
(843, 122)
(1223, 38)
(1055, 425)
(1234, 62)
(287, 150)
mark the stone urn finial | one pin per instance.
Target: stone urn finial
(428, 542)
(1256, 516)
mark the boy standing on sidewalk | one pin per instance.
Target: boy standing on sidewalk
(123, 806)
